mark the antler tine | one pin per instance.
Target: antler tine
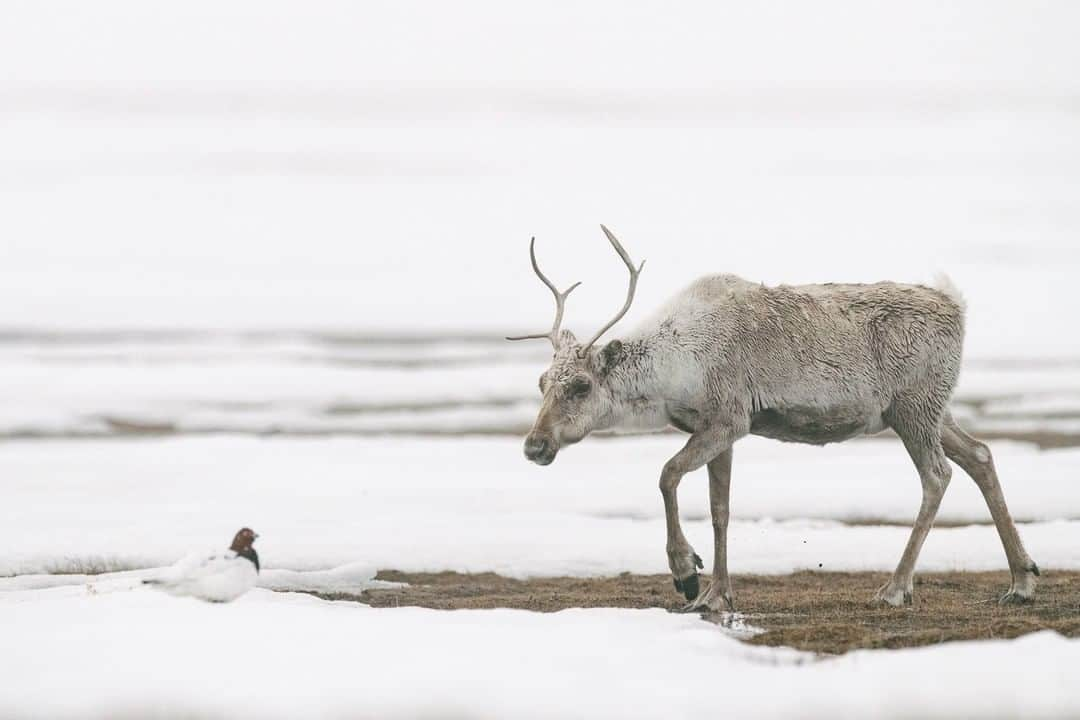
(634, 273)
(560, 302)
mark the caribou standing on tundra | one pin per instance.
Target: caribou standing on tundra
(810, 363)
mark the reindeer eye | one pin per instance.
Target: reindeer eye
(578, 387)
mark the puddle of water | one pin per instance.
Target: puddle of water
(735, 624)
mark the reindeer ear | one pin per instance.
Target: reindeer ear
(611, 355)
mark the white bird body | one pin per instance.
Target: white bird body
(214, 577)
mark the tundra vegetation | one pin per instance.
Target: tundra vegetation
(823, 612)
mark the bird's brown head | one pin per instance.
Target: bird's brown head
(243, 540)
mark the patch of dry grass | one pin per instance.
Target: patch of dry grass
(90, 565)
(823, 612)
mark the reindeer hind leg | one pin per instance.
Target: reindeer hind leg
(977, 461)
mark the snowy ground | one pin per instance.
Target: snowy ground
(331, 511)
(140, 654)
(475, 504)
(83, 495)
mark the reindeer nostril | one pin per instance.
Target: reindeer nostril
(536, 446)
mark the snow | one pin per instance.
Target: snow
(475, 504)
(353, 578)
(286, 655)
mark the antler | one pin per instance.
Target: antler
(560, 302)
(629, 293)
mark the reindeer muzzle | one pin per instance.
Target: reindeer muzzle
(540, 449)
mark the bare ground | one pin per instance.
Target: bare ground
(822, 612)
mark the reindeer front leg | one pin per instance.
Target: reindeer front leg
(717, 596)
(682, 559)
(704, 445)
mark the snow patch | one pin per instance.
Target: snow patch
(283, 655)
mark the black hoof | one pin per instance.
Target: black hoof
(689, 587)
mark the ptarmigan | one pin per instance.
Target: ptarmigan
(221, 577)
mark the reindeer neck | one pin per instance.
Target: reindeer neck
(637, 388)
(657, 368)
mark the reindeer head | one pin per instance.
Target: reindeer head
(577, 399)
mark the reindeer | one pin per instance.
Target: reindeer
(811, 364)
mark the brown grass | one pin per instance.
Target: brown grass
(817, 611)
